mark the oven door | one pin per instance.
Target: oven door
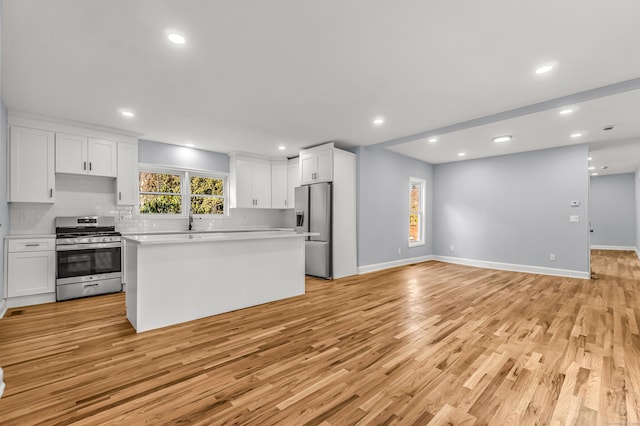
(74, 262)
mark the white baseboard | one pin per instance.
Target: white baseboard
(386, 265)
(514, 267)
(638, 252)
(479, 264)
(621, 248)
(3, 307)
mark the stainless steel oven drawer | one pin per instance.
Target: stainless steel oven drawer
(84, 289)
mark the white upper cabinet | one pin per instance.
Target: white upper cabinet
(293, 180)
(316, 165)
(262, 185)
(250, 180)
(102, 155)
(82, 155)
(279, 188)
(127, 179)
(71, 154)
(31, 166)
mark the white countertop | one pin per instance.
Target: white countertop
(206, 237)
(30, 237)
(208, 231)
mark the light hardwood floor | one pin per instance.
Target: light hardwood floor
(430, 343)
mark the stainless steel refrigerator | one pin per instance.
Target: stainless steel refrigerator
(313, 214)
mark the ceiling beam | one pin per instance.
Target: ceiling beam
(587, 95)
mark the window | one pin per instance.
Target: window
(165, 192)
(207, 195)
(160, 193)
(416, 211)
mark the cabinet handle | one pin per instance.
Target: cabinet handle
(32, 245)
(89, 165)
(285, 203)
(120, 196)
(50, 192)
(90, 285)
(84, 167)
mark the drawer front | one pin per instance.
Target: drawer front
(43, 244)
(84, 289)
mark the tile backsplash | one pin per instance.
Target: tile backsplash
(95, 196)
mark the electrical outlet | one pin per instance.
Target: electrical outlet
(552, 256)
(452, 248)
(399, 250)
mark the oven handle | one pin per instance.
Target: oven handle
(88, 246)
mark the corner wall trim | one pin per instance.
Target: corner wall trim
(386, 265)
(515, 267)
(638, 252)
(621, 248)
(3, 307)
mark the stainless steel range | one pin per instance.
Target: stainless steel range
(88, 257)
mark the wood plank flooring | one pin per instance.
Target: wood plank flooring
(427, 344)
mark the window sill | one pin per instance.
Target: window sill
(417, 244)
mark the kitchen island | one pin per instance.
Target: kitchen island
(174, 278)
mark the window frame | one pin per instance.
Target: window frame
(185, 190)
(421, 212)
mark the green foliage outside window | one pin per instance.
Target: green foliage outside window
(162, 193)
(207, 195)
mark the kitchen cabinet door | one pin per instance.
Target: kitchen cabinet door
(71, 154)
(324, 168)
(279, 187)
(316, 166)
(127, 179)
(262, 185)
(30, 273)
(102, 157)
(308, 167)
(293, 180)
(244, 184)
(31, 166)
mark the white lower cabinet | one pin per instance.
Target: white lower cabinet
(31, 267)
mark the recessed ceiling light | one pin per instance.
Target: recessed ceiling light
(378, 121)
(462, 154)
(594, 174)
(503, 138)
(432, 140)
(127, 114)
(592, 168)
(544, 69)
(566, 111)
(589, 158)
(576, 135)
(282, 147)
(190, 145)
(176, 38)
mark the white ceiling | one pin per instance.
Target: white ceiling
(256, 74)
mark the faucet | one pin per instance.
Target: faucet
(190, 218)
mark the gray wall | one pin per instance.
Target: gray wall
(383, 206)
(515, 209)
(613, 210)
(181, 156)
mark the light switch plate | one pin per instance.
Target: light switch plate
(574, 218)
